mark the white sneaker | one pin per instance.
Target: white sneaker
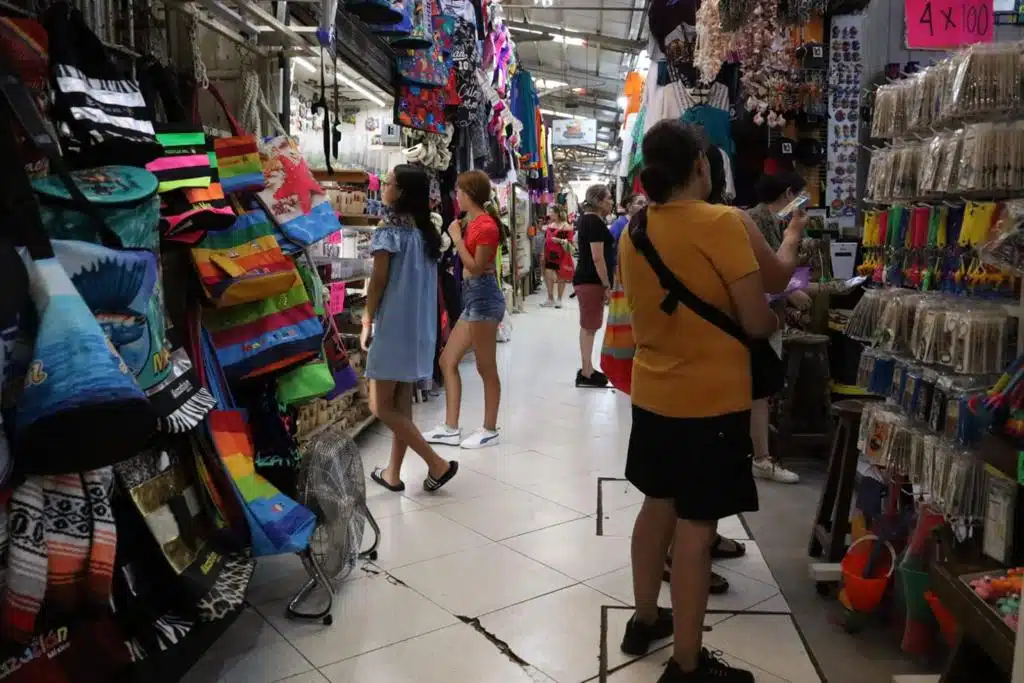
(547, 304)
(481, 438)
(444, 435)
(768, 469)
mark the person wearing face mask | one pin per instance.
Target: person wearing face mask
(689, 446)
(593, 278)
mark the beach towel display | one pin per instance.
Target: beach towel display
(293, 198)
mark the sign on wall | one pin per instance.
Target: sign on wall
(944, 24)
(573, 132)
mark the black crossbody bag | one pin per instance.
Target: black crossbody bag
(766, 368)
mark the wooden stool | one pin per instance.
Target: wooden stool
(806, 365)
(833, 520)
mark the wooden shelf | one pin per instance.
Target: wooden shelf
(357, 219)
(1001, 453)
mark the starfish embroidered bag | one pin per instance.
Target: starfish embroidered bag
(293, 198)
(243, 263)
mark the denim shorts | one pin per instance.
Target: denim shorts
(482, 300)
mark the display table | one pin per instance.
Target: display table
(984, 649)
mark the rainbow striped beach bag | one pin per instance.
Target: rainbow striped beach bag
(618, 348)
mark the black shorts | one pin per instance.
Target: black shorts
(551, 265)
(702, 463)
(767, 373)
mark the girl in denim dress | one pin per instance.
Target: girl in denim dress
(399, 326)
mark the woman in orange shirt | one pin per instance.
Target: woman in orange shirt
(483, 307)
(689, 447)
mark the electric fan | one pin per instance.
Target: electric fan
(331, 484)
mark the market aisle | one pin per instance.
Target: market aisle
(528, 546)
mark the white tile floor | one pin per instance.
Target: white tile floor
(502, 576)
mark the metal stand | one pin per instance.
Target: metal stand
(317, 576)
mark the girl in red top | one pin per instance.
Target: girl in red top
(483, 306)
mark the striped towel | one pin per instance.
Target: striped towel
(98, 486)
(68, 536)
(26, 562)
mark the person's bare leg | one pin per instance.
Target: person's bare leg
(760, 416)
(587, 351)
(561, 290)
(459, 342)
(549, 282)
(384, 406)
(485, 341)
(403, 404)
(691, 575)
(652, 535)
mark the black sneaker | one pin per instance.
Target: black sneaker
(638, 638)
(596, 380)
(710, 669)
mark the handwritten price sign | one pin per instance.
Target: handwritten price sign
(941, 24)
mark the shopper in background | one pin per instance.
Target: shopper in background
(632, 204)
(593, 278)
(689, 448)
(402, 301)
(558, 264)
(477, 238)
(774, 192)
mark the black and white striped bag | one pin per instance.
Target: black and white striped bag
(101, 114)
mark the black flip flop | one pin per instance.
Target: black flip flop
(431, 484)
(720, 553)
(377, 478)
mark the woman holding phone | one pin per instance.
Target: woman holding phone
(782, 228)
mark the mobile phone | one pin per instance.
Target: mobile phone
(799, 202)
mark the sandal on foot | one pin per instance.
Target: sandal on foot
(727, 549)
(431, 484)
(378, 477)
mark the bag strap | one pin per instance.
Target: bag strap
(236, 127)
(675, 291)
(323, 104)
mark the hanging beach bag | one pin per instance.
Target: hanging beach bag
(293, 198)
(238, 157)
(277, 523)
(161, 489)
(257, 338)
(78, 392)
(121, 197)
(24, 48)
(304, 383)
(244, 263)
(102, 116)
(184, 162)
(420, 35)
(618, 347)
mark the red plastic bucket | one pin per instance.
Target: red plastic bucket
(864, 593)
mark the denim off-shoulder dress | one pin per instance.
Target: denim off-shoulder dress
(405, 329)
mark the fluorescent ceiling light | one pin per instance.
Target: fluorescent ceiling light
(558, 114)
(546, 83)
(344, 79)
(622, 101)
(567, 40)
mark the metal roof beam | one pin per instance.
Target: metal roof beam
(577, 79)
(591, 39)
